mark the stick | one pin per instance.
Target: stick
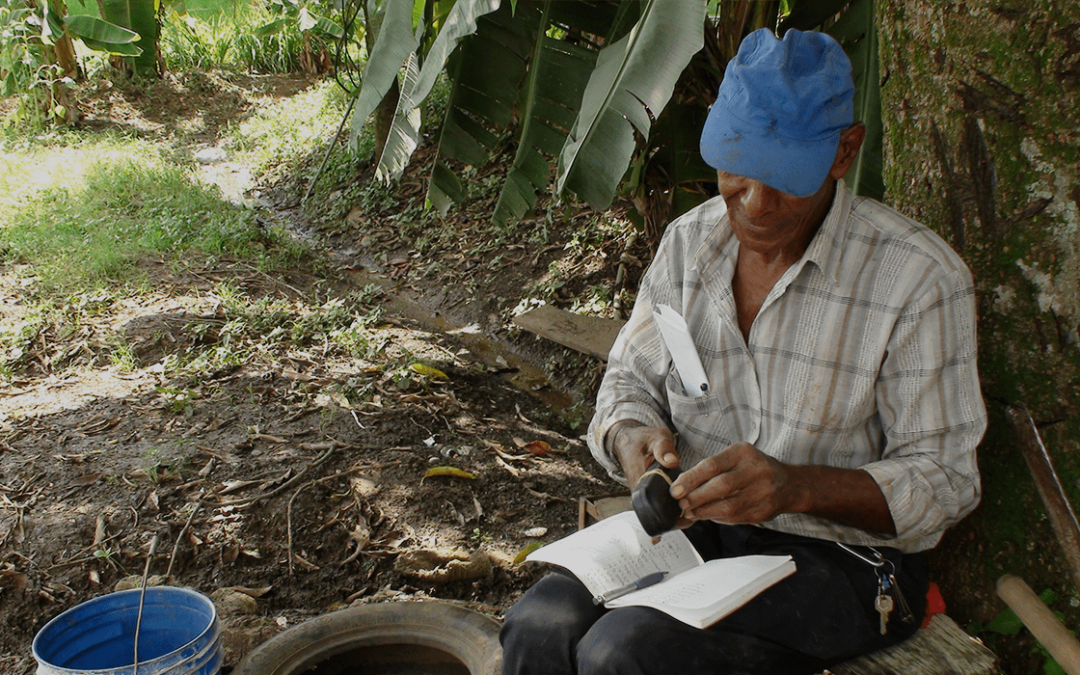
(142, 596)
(176, 545)
(1042, 623)
(1053, 496)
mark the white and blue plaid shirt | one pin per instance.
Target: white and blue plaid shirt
(862, 357)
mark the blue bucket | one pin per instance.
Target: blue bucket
(180, 634)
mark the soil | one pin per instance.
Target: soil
(267, 487)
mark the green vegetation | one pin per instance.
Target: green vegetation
(83, 211)
(277, 139)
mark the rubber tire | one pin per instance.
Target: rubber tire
(469, 636)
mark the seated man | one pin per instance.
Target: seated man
(843, 407)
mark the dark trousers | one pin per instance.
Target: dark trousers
(819, 616)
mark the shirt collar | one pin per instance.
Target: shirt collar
(826, 250)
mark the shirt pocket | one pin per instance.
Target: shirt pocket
(683, 407)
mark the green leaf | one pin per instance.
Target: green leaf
(271, 28)
(139, 16)
(459, 23)
(557, 77)
(395, 44)
(131, 50)
(87, 27)
(855, 30)
(634, 77)
(52, 27)
(325, 26)
(810, 14)
(486, 75)
(1005, 623)
(404, 132)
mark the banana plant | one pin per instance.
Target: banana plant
(584, 86)
(316, 29)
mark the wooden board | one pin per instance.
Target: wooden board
(942, 648)
(587, 334)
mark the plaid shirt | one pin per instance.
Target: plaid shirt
(862, 356)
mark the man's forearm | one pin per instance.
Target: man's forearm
(846, 496)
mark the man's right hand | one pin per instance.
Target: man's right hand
(637, 447)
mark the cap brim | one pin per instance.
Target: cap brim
(798, 168)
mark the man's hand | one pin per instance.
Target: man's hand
(742, 485)
(637, 447)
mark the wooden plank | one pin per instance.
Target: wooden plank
(942, 648)
(587, 334)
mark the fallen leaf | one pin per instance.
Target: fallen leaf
(524, 553)
(429, 371)
(448, 471)
(536, 531)
(538, 447)
(253, 592)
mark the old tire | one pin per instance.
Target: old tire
(468, 636)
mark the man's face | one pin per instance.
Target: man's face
(765, 219)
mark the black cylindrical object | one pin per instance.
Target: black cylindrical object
(657, 510)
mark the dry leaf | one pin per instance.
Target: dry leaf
(538, 447)
(448, 471)
(253, 592)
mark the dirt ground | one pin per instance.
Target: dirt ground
(266, 487)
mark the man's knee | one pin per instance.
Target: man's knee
(541, 631)
(624, 641)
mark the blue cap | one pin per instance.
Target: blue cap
(780, 111)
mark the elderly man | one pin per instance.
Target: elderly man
(842, 410)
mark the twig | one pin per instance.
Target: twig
(288, 522)
(287, 484)
(176, 545)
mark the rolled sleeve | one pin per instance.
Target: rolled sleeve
(932, 412)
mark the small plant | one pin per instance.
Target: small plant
(1007, 623)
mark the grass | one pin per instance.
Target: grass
(82, 211)
(278, 138)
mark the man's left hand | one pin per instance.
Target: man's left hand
(740, 485)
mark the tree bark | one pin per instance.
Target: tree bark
(981, 106)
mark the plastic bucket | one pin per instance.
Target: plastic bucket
(180, 635)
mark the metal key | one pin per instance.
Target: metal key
(884, 606)
(905, 609)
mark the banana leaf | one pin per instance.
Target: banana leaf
(558, 73)
(309, 21)
(84, 26)
(405, 132)
(394, 45)
(272, 28)
(139, 16)
(855, 30)
(633, 80)
(486, 74)
(459, 23)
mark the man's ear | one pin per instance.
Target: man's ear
(851, 139)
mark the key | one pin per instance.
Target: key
(901, 601)
(884, 606)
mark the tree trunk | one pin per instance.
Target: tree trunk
(981, 107)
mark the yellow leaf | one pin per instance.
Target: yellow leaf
(448, 471)
(428, 371)
(520, 558)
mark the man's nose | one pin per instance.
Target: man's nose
(758, 199)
